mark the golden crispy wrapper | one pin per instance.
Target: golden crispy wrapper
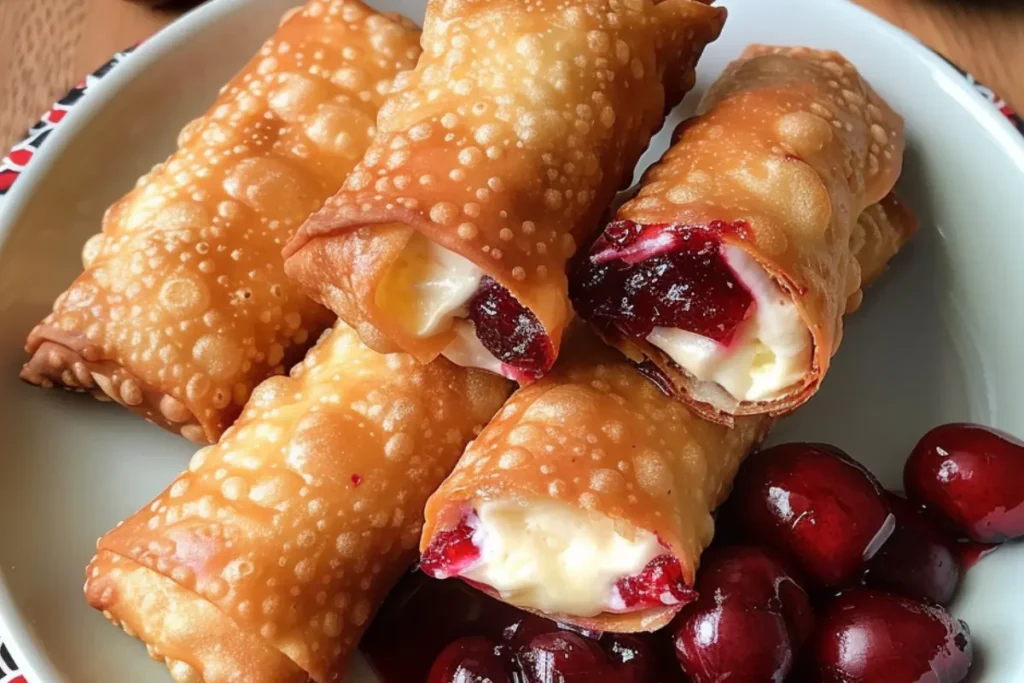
(880, 232)
(504, 145)
(795, 148)
(596, 434)
(266, 560)
(184, 306)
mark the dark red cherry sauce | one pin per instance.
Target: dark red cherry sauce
(450, 552)
(638, 277)
(511, 332)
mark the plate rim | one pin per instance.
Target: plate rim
(145, 55)
(15, 631)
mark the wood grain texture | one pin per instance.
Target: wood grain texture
(985, 37)
(39, 42)
(46, 46)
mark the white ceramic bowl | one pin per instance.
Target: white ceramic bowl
(938, 338)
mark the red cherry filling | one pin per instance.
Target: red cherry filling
(638, 277)
(973, 476)
(450, 552)
(660, 583)
(510, 331)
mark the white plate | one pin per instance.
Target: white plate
(938, 338)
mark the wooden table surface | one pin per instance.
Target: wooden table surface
(46, 46)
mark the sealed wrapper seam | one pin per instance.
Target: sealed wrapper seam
(183, 305)
(298, 522)
(513, 170)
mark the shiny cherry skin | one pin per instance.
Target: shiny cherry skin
(869, 636)
(815, 506)
(563, 657)
(472, 660)
(422, 617)
(918, 561)
(629, 658)
(522, 631)
(973, 476)
(748, 623)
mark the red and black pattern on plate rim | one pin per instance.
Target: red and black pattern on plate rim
(14, 163)
(986, 92)
(17, 159)
(8, 669)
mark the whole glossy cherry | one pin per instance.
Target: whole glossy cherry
(869, 636)
(973, 476)
(816, 506)
(524, 629)
(748, 623)
(630, 659)
(918, 561)
(472, 660)
(563, 657)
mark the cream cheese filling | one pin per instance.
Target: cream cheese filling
(556, 558)
(769, 353)
(466, 350)
(426, 290)
(427, 287)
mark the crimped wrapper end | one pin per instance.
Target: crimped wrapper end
(197, 642)
(55, 363)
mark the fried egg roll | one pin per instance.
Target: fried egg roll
(266, 560)
(493, 160)
(588, 498)
(731, 270)
(183, 306)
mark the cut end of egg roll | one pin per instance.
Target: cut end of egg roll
(274, 550)
(494, 159)
(588, 498)
(183, 306)
(197, 642)
(730, 272)
(880, 232)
